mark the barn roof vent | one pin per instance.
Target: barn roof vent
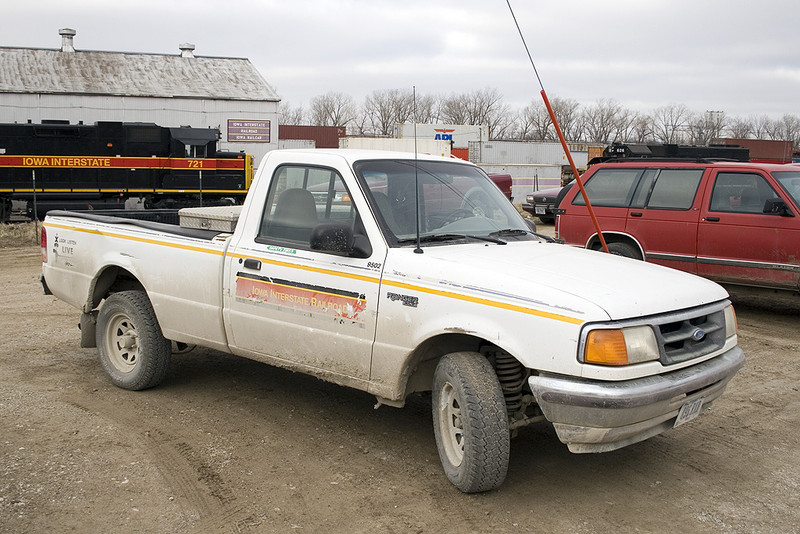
(66, 39)
(187, 49)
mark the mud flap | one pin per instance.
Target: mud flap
(88, 328)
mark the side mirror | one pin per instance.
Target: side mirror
(777, 206)
(531, 225)
(339, 239)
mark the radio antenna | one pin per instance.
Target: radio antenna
(417, 250)
(560, 134)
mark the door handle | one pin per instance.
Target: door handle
(251, 263)
(712, 219)
(636, 214)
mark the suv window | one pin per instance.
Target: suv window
(740, 192)
(675, 189)
(790, 181)
(657, 188)
(610, 187)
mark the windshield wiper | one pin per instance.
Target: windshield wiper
(449, 237)
(511, 232)
(508, 232)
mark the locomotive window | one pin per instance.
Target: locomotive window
(195, 151)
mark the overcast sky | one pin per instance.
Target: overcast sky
(737, 56)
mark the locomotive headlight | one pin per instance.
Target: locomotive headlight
(621, 346)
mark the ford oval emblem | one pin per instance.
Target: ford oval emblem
(698, 334)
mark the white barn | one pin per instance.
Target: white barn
(170, 90)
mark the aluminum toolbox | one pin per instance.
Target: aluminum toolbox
(220, 218)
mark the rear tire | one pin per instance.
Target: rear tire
(470, 422)
(133, 351)
(624, 249)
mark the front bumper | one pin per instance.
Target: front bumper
(594, 416)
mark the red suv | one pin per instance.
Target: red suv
(732, 222)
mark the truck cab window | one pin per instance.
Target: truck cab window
(302, 198)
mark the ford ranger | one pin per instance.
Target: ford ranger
(399, 274)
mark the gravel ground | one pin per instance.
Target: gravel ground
(230, 445)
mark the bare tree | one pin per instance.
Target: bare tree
(739, 128)
(774, 130)
(484, 106)
(569, 117)
(332, 109)
(289, 115)
(669, 123)
(428, 109)
(535, 123)
(704, 127)
(626, 124)
(762, 125)
(384, 109)
(641, 130)
(605, 121)
(790, 129)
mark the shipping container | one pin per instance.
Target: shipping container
(296, 143)
(763, 150)
(594, 152)
(459, 135)
(421, 146)
(323, 136)
(527, 152)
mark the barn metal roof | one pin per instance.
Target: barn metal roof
(34, 70)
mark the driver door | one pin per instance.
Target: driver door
(302, 306)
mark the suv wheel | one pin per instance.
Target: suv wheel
(624, 249)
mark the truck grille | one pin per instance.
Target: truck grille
(690, 334)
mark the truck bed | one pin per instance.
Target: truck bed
(149, 219)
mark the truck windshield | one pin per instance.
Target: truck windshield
(455, 201)
(790, 182)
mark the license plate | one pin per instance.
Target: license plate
(540, 210)
(689, 411)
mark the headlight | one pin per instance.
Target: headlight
(621, 346)
(529, 198)
(730, 322)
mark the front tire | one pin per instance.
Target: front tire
(470, 422)
(133, 351)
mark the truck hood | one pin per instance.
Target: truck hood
(580, 283)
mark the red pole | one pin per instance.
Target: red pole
(574, 170)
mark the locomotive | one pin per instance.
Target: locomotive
(116, 165)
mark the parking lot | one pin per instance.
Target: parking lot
(230, 445)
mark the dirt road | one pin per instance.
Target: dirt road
(230, 445)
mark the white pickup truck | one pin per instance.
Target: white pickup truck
(397, 274)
